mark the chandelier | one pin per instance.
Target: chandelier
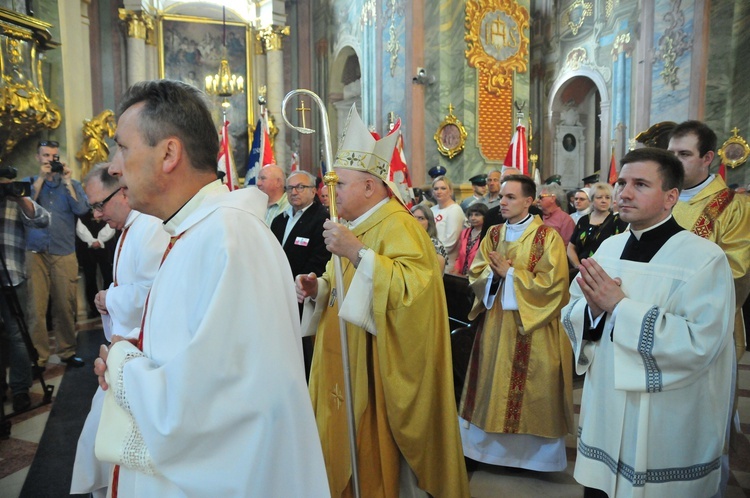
(224, 84)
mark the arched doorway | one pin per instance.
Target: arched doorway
(345, 89)
(578, 127)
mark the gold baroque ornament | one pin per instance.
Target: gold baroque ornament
(94, 148)
(735, 150)
(498, 45)
(450, 135)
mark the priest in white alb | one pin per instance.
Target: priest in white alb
(213, 400)
(650, 319)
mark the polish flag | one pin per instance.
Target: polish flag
(226, 161)
(518, 152)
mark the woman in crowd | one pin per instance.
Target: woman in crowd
(468, 243)
(425, 218)
(592, 229)
(449, 218)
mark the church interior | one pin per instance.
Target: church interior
(587, 80)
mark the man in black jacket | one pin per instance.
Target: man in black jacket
(299, 229)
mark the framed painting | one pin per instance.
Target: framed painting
(190, 48)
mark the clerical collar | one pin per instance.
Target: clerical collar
(691, 192)
(132, 215)
(638, 233)
(651, 241)
(171, 223)
(521, 225)
(367, 214)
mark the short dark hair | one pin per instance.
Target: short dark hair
(477, 207)
(706, 136)
(670, 168)
(54, 144)
(176, 109)
(100, 171)
(528, 187)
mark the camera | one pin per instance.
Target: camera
(8, 172)
(15, 189)
(55, 164)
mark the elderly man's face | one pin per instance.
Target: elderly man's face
(493, 183)
(546, 202)
(300, 191)
(350, 193)
(114, 209)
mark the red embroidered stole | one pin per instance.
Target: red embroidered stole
(704, 225)
(521, 353)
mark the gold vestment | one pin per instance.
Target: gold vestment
(402, 378)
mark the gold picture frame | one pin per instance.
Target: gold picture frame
(450, 135)
(735, 150)
(190, 49)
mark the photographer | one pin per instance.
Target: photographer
(53, 267)
(15, 213)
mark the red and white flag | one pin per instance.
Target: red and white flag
(226, 161)
(294, 165)
(518, 152)
(399, 171)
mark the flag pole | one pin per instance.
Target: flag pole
(331, 179)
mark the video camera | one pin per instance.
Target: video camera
(55, 164)
(12, 189)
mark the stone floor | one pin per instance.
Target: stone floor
(17, 453)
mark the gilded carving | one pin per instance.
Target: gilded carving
(576, 15)
(271, 37)
(24, 107)
(94, 148)
(622, 45)
(150, 24)
(135, 23)
(393, 48)
(498, 44)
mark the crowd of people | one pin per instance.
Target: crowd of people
(638, 289)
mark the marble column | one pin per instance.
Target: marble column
(271, 37)
(137, 60)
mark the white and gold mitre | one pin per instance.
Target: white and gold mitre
(360, 151)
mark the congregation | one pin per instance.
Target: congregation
(636, 287)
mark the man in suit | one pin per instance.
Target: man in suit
(299, 229)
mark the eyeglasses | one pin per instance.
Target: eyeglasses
(298, 188)
(99, 206)
(581, 198)
(542, 196)
(48, 143)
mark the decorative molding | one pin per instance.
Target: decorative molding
(578, 59)
(150, 24)
(622, 45)
(673, 44)
(497, 41)
(271, 37)
(369, 14)
(393, 47)
(135, 23)
(576, 15)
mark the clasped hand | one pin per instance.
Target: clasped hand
(602, 292)
(499, 265)
(100, 364)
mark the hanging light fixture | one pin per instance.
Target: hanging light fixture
(224, 84)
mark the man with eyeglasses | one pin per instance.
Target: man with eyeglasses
(550, 201)
(138, 253)
(52, 262)
(271, 182)
(299, 229)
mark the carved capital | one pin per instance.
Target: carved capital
(135, 23)
(271, 37)
(150, 23)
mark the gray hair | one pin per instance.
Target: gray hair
(312, 179)
(100, 172)
(560, 198)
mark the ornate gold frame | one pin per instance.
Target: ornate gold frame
(489, 22)
(450, 135)
(735, 150)
(249, 40)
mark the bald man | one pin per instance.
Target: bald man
(271, 181)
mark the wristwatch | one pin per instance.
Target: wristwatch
(360, 254)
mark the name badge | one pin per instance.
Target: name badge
(301, 241)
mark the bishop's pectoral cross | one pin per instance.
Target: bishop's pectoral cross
(302, 110)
